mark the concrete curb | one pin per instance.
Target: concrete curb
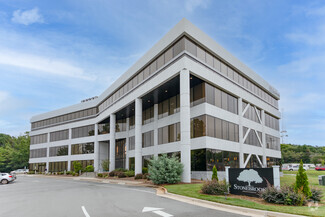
(161, 191)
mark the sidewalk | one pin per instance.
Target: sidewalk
(222, 207)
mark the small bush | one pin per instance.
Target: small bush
(68, 172)
(105, 165)
(89, 168)
(316, 195)
(165, 170)
(112, 174)
(215, 187)
(60, 173)
(285, 195)
(31, 172)
(100, 175)
(129, 173)
(144, 170)
(138, 176)
(77, 166)
(146, 176)
(214, 173)
(120, 174)
(302, 181)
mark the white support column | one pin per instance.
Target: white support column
(276, 176)
(263, 139)
(241, 136)
(127, 144)
(96, 150)
(138, 136)
(69, 149)
(185, 124)
(112, 142)
(48, 152)
(155, 132)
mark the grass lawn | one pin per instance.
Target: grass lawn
(193, 190)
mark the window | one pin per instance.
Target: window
(37, 153)
(120, 125)
(147, 139)
(59, 151)
(83, 148)
(83, 131)
(252, 138)
(272, 142)
(168, 107)
(120, 153)
(84, 163)
(103, 128)
(271, 122)
(59, 135)
(131, 122)
(42, 138)
(148, 116)
(168, 134)
(131, 143)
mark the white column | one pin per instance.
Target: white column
(96, 150)
(138, 136)
(241, 136)
(127, 144)
(69, 149)
(185, 123)
(155, 132)
(263, 139)
(112, 124)
(48, 153)
(276, 176)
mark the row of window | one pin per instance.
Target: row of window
(227, 71)
(272, 142)
(252, 113)
(64, 118)
(151, 68)
(148, 115)
(103, 128)
(83, 148)
(252, 138)
(271, 122)
(59, 151)
(168, 134)
(42, 138)
(206, 125)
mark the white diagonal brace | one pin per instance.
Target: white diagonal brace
(259, 160)
(249, 156)
(259, 118)
(245, 137)
(243, 113)
(259, 140)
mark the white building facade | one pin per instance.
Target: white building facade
(186, 96)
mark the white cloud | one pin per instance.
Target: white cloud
(43, 65)
(191, 5)
(3, 97)
(27, 17)
(315, 37)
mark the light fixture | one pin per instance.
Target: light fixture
(191, 77)
(148, 100)
(166, 91)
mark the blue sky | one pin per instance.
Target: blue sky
(56, 53)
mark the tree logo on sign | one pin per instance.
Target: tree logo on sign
(249, 176)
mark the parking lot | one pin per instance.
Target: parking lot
(32, 196)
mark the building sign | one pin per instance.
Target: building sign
(249, 181)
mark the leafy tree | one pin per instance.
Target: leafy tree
(215, 173)
(302, 181)
(165, 170)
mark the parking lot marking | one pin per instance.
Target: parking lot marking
(85, 211)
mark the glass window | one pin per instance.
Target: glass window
(83, 148)
(190, 47)
(179, 47)
(160, 61)
(201, 54)
(168, 55)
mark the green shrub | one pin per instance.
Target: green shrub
(105, 165)
(120, 174)
(165, 170)
(215, 187)
(138, 176)
(100, 175)
(286, 195)
(214, 173)
(105, 175)
(68, 172)
(120, 170)
(316, 195)
(144, 170)
(31, 172)
(60, 173)
(146, 176)
(89, 168)
(302, 181)
(77, 166)
(129, 173)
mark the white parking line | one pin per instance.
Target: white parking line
(85, 211)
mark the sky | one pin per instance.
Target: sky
(56, 53)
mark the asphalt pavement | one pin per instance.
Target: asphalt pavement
(37, 196)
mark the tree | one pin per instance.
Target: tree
(165, 170)
(302, 181)
(249, 176)
(215, 173)
(105, 165)
(77, 166)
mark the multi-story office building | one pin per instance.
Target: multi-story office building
(187, 95)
